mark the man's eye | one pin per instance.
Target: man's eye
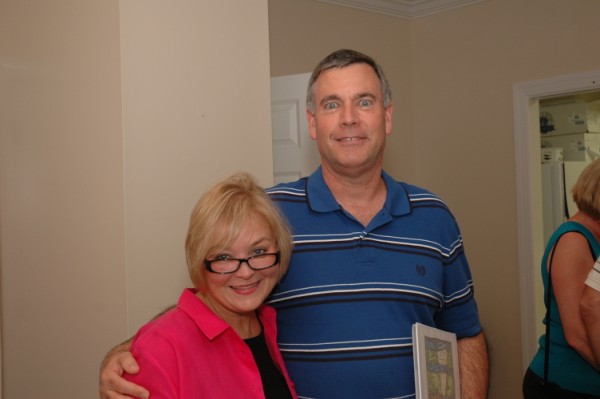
(364, 103)
(330, 106)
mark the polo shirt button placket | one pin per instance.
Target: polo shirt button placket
(361, 240)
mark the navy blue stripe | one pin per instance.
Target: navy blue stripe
(300, 247)
(316, 300)
(314, 359)
(291, 199)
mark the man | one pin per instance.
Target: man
(590, 310)
(372, 256)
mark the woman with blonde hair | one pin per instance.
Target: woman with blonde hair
(564, 364)
(220, 340)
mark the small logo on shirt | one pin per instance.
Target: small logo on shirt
(421, 269)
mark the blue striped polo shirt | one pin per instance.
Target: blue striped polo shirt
(346, 307)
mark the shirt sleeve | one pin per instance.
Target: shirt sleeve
(158, 367)
(593, 279)
(459, 314)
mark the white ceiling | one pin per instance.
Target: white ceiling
(407, 9)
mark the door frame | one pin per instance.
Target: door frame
(526, 96)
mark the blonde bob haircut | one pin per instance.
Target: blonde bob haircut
(586, 191)
(220, 215)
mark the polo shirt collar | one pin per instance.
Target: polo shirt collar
(320, 198)
(207, 321)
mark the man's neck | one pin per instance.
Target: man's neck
(362, 196)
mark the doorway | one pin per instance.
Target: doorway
(295, 154)
(526, 97)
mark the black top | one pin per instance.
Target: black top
(273, 382)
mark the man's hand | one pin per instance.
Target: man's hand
(112, 384)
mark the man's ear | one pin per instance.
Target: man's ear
(388, 119)
(312, 129)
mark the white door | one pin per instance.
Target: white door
(294, 152)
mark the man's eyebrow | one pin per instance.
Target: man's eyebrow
(365, 94)
(335, 97)
(326, 99)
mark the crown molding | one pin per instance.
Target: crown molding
(407, 9)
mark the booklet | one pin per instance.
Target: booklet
(435, 357)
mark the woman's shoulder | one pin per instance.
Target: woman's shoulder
(164, 327)
(573, 230)
(572, 233)
(581, 232)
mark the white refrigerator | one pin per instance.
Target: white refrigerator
(558, 177)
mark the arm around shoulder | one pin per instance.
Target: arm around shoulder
(112, 384)
(118, 361)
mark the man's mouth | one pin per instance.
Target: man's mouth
(355, 138)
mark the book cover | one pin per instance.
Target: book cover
(435, 355)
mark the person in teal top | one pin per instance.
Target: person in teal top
(569, 256)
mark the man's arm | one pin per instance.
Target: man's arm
(473, 366)
(112, 384)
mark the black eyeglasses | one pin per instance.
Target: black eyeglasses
(228, 265)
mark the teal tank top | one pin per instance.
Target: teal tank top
(566, 367)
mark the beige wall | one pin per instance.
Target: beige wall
(196, 105)
(114, 116)
(452, 75)
(61, 195)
